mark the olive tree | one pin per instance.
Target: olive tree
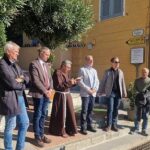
(8, 9)
(54, 22)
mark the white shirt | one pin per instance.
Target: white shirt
(89, 80)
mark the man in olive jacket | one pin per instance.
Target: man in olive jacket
(12, 102)
(142, 103)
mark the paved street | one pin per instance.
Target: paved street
(79, 141)
(109, 140)
(124, 143)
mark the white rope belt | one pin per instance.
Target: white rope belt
(64, 106)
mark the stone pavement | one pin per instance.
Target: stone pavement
(126, 142)
(79, 141)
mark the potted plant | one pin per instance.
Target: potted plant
(131, 97)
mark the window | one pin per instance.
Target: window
(111, 8)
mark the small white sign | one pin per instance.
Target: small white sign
(137, 55)
(138, 32)
(89, 45)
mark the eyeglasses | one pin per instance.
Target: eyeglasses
(116, 62)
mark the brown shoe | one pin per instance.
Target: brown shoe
(39, 142)
(46, 140)
(114, 128)
(107, 129)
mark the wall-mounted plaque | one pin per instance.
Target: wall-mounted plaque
(137, 55)
(138, 32)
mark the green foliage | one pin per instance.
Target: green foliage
(131, 95)
(8, 9)
(2, 37)
(51, 58)
(54, 22)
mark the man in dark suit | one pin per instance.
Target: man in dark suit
(12, 102)
(41, 89)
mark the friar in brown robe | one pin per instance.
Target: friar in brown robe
(62, 120)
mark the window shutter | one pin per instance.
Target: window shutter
(105, 11)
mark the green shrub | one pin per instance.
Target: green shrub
(2, 38)
(131, 95)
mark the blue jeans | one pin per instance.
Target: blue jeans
(145, 114)
(22, 123)
(113, 103)
(86, 112)
(40, 113)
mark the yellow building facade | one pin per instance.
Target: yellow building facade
(125, 36)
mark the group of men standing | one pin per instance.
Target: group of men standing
(62, 122)
(13, 102)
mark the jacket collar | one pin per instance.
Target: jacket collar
(112, 69)
(5, 57)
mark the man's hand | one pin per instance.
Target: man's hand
(20, 79)
(73, 81)
(78, 79)
(92, 91)
(49, 93)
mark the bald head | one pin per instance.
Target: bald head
(89, 60)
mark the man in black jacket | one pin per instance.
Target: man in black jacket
(12, 102)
